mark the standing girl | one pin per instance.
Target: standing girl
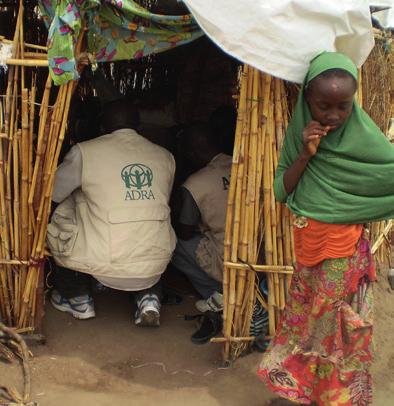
(336, 172)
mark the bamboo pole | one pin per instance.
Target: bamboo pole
(39, 63)
(285, 269)
(35, 55)
(278, 133)
(379, 239)
(13, 262)
(21, 47)
(26, 44)
(40, 141)
(25, 176)
(231, 339)
(31, 223)
(268, 232)
(228, 278)
(5, 231)
(272, 204)
(16, 200)
(24, 181)
(5, 303)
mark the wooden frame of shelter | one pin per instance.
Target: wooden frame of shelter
(258, 230)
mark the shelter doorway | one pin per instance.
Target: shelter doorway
(195, 82)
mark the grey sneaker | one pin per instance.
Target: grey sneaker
(148, 311)
(81, 307)
(213, 304)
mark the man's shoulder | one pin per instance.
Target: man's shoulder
(224, 160)
(145, 143)
(73, 153)
(137, 141)
(159, 149)
(208, 176)
(160, 154)
(200, 179)
(221, 161)
(93, 141)
(114, 137)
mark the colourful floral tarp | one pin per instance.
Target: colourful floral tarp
(117, 30)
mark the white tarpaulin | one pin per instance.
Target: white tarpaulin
(385, 17)
(280, 37)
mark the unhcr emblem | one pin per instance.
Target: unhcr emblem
(138, 180)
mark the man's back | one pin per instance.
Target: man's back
(209, 188)
(123, 169)
(113, 220)
(121, 208)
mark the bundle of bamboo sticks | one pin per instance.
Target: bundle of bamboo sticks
(28, 161)
(258, 229)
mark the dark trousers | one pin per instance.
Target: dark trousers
(71, 283)
(185, 260)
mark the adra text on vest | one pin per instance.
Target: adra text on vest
(139, 195)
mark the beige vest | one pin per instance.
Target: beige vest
(118, 223)
(209, 188)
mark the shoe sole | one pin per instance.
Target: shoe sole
(74, 313)
(149, 318)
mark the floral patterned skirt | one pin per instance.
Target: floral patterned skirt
(322, 349)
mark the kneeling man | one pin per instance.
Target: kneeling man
(113, 220)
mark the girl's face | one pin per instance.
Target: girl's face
(330, 100)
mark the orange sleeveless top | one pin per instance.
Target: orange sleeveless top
(317, 241)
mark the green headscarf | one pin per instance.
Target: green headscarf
(351, 178)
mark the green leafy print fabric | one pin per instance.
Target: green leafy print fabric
(117, 30)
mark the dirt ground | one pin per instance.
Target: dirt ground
(108, 361)
(383, 367)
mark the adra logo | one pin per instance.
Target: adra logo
(138, 180)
